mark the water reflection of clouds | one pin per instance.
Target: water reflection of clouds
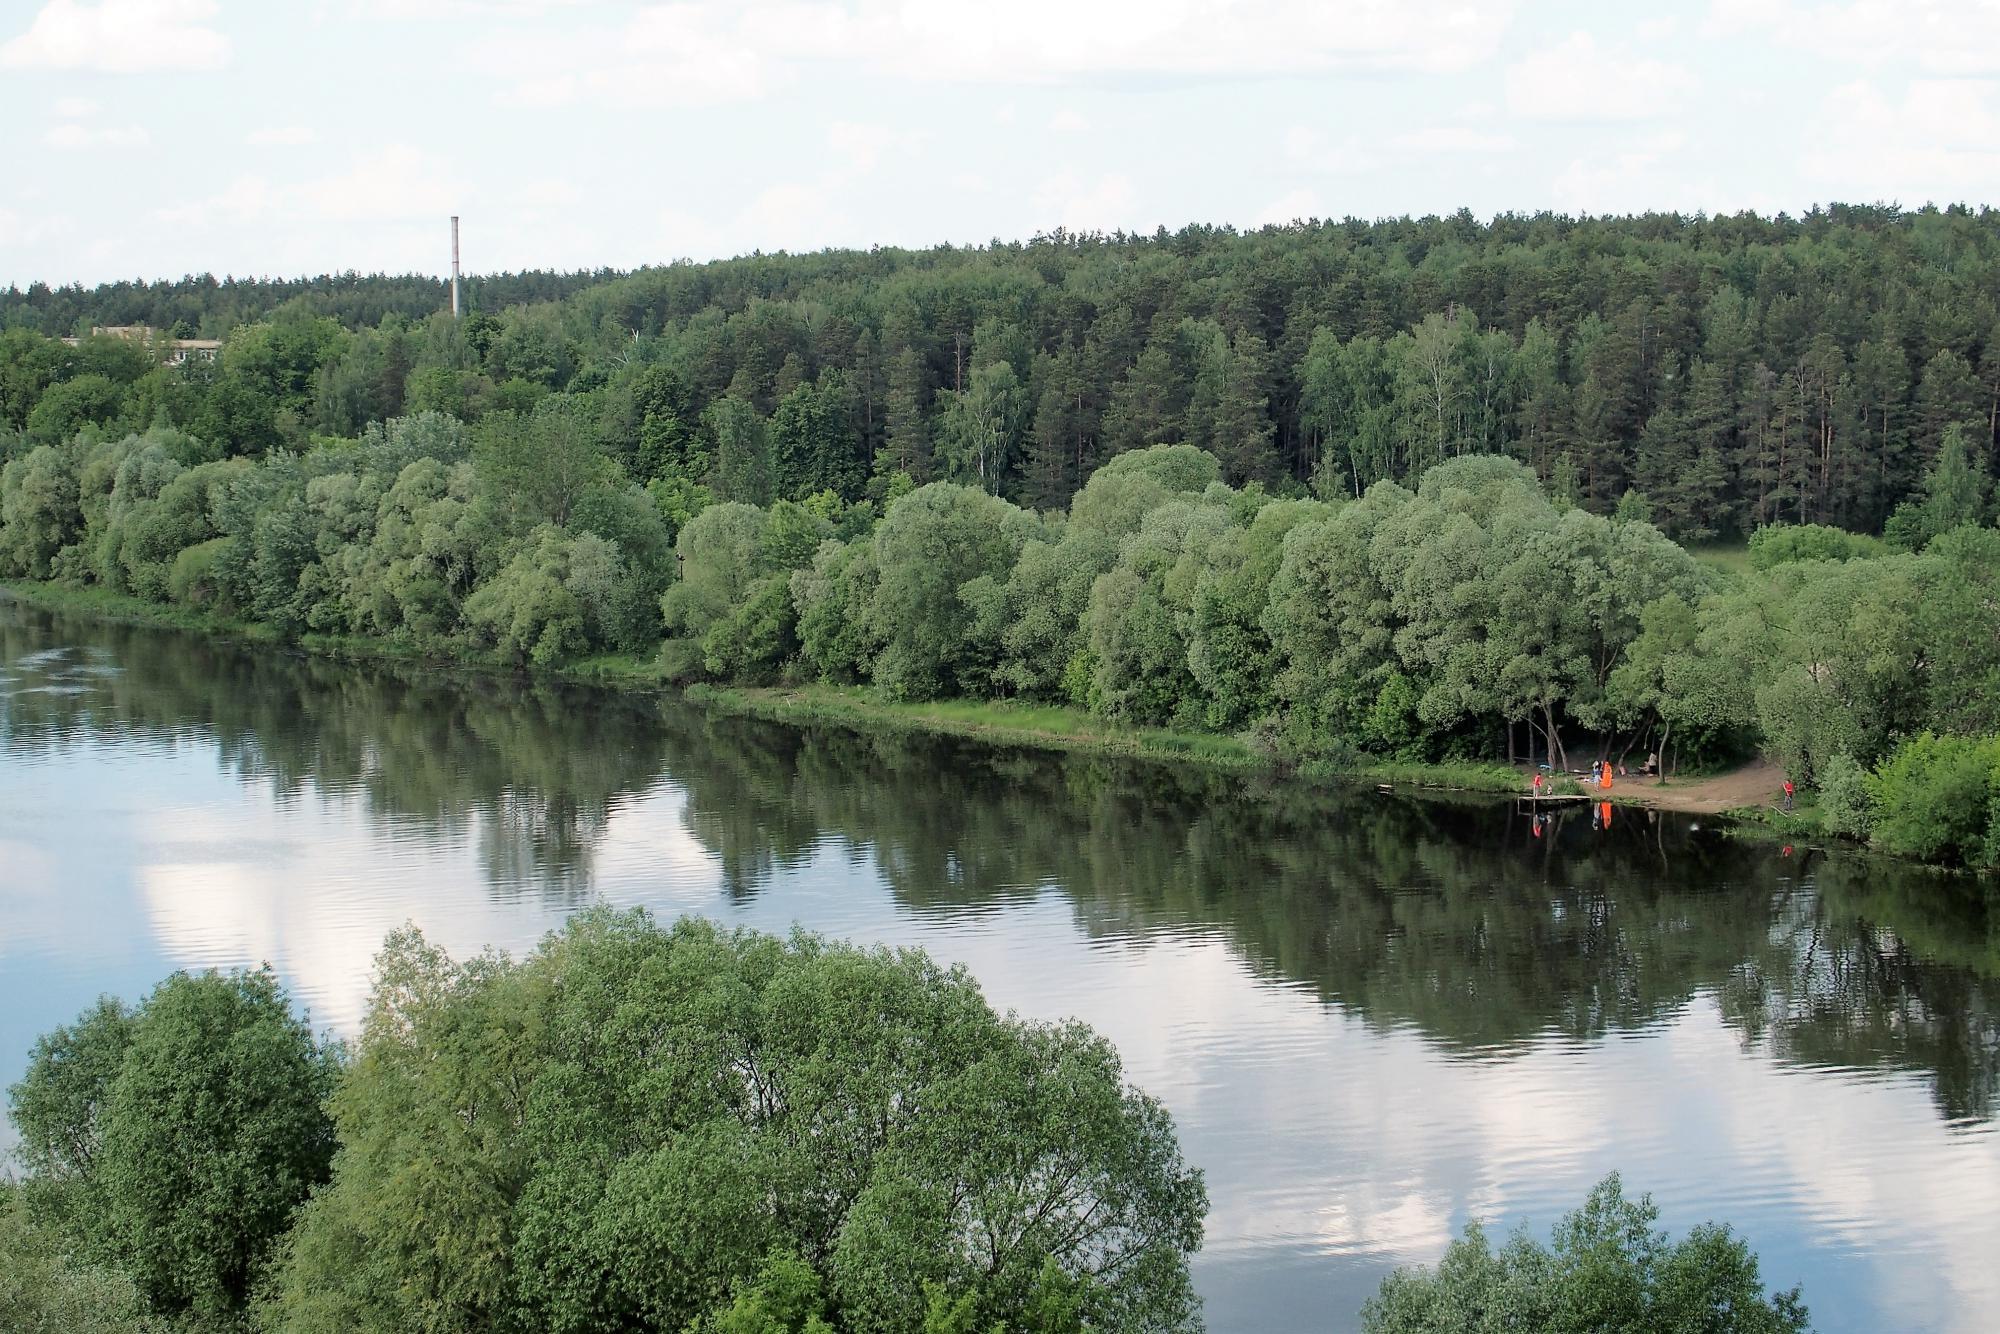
(317, 903)
(1392, 1143)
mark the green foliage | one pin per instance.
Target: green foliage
(46, 1288)
(757, 636)
(560, 597)
(40, 511)
(812, 446)
(720, 552)
(681, 1127)
(1958, 623)
(834, 598)
(543, 462)
(1846, 801)
(66, 408)
(176, 1140)
(213, 1135)
(930, 544)
(744, 470)
(1956, 493)
(1938, 798)
(1609, 1266)
(1786, 543)
(60, 1103)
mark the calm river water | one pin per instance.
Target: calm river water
(1373, 1018)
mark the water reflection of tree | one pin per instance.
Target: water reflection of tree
(1451, 917)
(531, 773)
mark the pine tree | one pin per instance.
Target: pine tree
(906, 447)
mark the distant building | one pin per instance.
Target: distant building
(175, 350)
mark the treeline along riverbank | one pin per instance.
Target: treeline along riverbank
(1471, 620)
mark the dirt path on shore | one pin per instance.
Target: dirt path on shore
(1759, 783)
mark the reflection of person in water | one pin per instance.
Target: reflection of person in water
(1604, 813)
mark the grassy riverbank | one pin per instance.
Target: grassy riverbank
(998, 722)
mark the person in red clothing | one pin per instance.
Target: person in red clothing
(1788, 793)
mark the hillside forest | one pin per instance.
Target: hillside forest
(1422, 489)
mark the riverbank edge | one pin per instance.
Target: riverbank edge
(996, 722)
(991, 722)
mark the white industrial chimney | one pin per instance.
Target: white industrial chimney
(454, 266)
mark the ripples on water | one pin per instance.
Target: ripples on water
(1372, 1018)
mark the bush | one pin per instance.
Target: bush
(192, 582)
(45, 1289)
(1609, 1268)
(1935, 798)
(1784, 544)
(1845, 801)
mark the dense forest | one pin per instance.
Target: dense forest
(1739, 371)
(1287, 485)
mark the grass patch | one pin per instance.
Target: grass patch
(1003, 722)
(1731, 558)
(104, 605)
(1802, 824)
(1462, 775)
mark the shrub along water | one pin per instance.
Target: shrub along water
(1609, 1267)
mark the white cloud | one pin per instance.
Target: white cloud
(1453, 139)
(791, 215)
(1295, 206)
(1068, 121)
(1144, 37)
(1308, 150)
(397, 183)
(72, 137)
(1106, 204)
(246, 199)
(865, 144)
(711, 52)
(678, 55)
(394, 182)
(1647, 176)
(1936, 36)
(1939, 142)
(75, 108)
(280, 136)
(546, 192)
(120, 37)
(1577, 80)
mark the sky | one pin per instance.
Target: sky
(154, 138)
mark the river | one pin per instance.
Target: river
(1373, 1017)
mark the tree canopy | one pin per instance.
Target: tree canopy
(1608, 1267)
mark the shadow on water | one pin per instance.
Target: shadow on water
(1452, 917)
